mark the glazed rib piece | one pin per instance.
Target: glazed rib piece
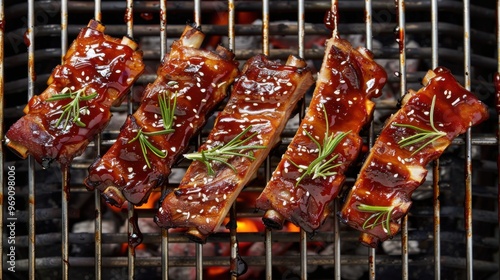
(311, 172)
(97, 72)
(415, 135)
(190, 83)
(245, 131)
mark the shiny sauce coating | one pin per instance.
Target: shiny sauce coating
(94, 63)
(345, 84)
(199, 79)
(392, 172)
(262, 98)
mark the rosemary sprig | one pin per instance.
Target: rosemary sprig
(423, 134)
(72, 110)
(167, 106)
(146, 144)
(222, 153)
(320, 167)
(381, 216)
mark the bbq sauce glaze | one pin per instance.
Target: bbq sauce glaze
(347, 81)
(94, 62)
(199, 79)
(391, 173)
(263, 96)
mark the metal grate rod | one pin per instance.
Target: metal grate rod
(163, 51)
(97, 195)
(300, 42)
(64, 169)
(371, 136)
(468, 147)
(31, 161)
(131, 217)
(402, 79)
(436, 168)
(97, 10)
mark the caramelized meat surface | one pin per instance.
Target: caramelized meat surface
(245, 131)
(311, 172)
(190, 83)
(97, 72)
(416, 134)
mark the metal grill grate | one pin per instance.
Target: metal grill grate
(452, 229)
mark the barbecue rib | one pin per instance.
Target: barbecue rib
(311, 171)
(97, 72)
(415, 135)
(245, 131)
(190, 83)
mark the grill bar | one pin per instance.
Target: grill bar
(400, 5)
(468, 147)
(163, 50)
(97, 195)
(31, 162)
(300, 43)
(131, 215)
(436, 168)
(199, 261)
(65, 169)
(371, 133)
(234, 253)
(199, 247)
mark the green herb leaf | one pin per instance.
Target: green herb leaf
(71, 111)
(167, 103)
(223, 153)
(422, 134)
(381, 216)
(321, 167)
(147, 145)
